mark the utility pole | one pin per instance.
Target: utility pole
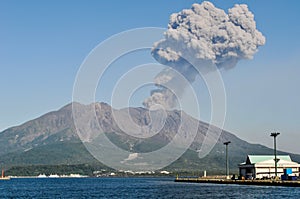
(227, 162)
(275, 134)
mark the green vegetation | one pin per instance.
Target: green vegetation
(68, 153)
(72, 157)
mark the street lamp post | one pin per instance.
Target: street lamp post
(275, 134)
(227, 162)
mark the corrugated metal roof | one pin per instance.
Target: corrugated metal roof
(253, 159)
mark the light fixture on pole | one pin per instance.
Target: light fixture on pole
(275, 134)
(227, 162)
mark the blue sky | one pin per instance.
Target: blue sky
(43, 43)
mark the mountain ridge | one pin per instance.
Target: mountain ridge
(53, 135)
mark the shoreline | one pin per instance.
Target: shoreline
(60, 177)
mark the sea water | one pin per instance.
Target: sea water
(134, 188)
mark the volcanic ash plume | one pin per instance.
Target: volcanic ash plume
(201, 39)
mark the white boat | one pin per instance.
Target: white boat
(42, 176)
(54, 176)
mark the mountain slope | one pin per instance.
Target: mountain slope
(52, 139)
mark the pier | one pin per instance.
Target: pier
(295, 183)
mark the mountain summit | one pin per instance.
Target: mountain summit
(52, 138)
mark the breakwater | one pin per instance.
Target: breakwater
(241, 182)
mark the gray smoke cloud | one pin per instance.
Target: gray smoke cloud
(207, 37)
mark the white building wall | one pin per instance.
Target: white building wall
(270, 172)
(267, 168)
